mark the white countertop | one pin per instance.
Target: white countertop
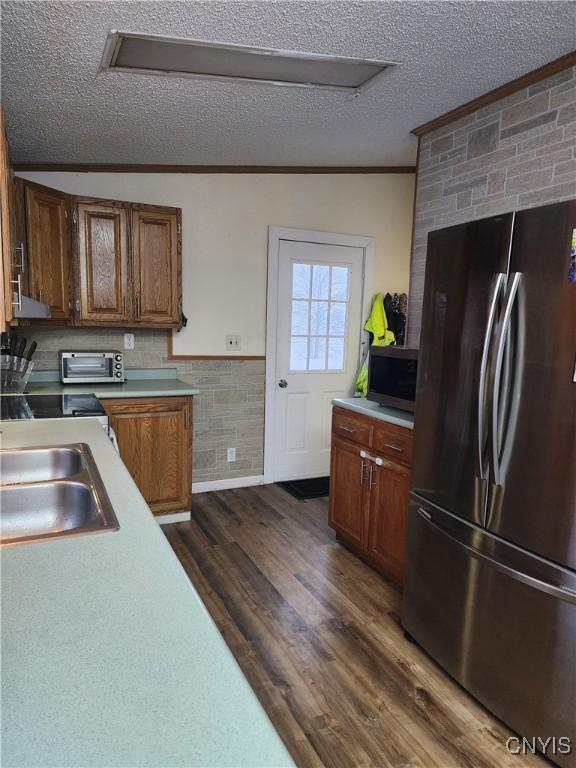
(109, 657)
(369, 408)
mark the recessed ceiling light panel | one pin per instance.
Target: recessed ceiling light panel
(179, 57)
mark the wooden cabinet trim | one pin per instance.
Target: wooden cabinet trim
(145, 404)
(127, 205)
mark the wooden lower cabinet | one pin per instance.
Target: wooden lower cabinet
(347, 493)
(369, 490)
(155, 442)
(387, 519)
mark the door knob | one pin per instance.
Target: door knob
(282, 383)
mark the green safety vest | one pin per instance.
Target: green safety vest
(377, 325)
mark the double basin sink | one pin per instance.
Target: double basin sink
(51, 492)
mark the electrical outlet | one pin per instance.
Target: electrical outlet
(128, 341)
(231, 454)
(233, 343)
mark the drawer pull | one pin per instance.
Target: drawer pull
(346, 429)
(394, 447)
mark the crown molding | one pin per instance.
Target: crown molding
(568, 60)
(264, 169)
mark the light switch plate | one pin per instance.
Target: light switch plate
(233, 343)
(128, 341)
(231, 454)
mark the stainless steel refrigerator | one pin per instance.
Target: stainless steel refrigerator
(490, 590)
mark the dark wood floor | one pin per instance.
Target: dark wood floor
(318, 636)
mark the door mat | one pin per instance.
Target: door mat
(311, 488)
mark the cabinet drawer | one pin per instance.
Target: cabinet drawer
(393, 442)
(352, 426)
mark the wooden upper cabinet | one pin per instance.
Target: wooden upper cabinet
(156, 265)
(128, 264)
(103, 263)
(48, 248)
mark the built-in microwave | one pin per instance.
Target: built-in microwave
(392, 376)
(91, 367)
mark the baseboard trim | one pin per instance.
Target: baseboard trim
(226, 483)
(175, 517)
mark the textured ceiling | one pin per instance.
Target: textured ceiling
(60, 108)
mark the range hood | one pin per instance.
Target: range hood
(26, 308)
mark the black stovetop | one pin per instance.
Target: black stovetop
(18, 407)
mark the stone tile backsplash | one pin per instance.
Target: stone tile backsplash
(229, 412)
(519, 152)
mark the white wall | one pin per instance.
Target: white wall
(225, 219)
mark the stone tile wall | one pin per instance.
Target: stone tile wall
(519, 152)
(229, 412)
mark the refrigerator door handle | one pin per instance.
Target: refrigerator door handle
(493, 442)
(498, 289)
(562, 593)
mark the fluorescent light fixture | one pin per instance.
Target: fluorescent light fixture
(200, 59)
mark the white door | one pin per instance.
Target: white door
(319, 316)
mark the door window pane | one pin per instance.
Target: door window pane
(318, 318)
(320, 281)
(335, 354)
(301, 281)
(298, 353)
(300, 318)
(337, 318)
(339, 286)
(317, 360)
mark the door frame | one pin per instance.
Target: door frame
(275, 236)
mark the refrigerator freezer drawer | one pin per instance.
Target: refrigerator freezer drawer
(507, 635)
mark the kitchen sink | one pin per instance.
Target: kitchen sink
(34, 465)
(32, 510)
(51, 492)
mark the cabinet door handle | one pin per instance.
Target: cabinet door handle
(394, 447)
(137, 306)
(18, 284)
(346, 429)
(22, 250)
(125, 306)
(362, 472)
(370, 483)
